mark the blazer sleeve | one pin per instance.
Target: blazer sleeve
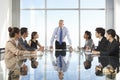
(112, 51)
(25, 46)
(15, 50)
(102, 46)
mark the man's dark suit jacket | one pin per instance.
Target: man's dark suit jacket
(25, 45)
(102, 45)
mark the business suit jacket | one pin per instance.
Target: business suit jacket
(112, 49)
(102, 45)
(11, 52)
(25, 46)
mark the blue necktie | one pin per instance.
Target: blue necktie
(60, 41)
(60, 62)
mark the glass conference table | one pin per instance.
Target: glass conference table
(65, 65)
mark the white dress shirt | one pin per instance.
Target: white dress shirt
(65, 63)
(56, 35)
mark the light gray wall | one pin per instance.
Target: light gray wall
(109, 14)
(5, 20)
(117, 16)
(16, 13)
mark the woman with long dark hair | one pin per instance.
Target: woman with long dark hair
(34, 43)
(89, 44)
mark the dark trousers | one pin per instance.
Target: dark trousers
(58, 46)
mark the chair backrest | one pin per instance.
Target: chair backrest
(2, 50)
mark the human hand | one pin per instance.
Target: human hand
(95, 52)
(51, 48)
(41, 48)
(70, 49)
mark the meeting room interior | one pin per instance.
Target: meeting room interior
(60, 40)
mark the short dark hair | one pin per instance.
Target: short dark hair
(100, 30)
(111, 32)
(23, 30)
(13, 30)
(88, 33)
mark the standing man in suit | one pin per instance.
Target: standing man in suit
(103, 42)
(22, 39)
(60, 33)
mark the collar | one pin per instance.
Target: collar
(13, 40)
(100, 38)
(60, 27)
(23, 38)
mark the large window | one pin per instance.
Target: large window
(92, 3)
(90, 19)
(70, 21)
(62, 3)
(34, 21)
(79, 15)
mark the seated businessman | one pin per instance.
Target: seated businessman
(22, 39)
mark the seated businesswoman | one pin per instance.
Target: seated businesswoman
(34, 43)
(88, 41)
(112, 47)
(11, 52)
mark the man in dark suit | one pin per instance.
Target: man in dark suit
(103, 42)
(22, 39)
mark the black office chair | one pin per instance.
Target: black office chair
(2, 50)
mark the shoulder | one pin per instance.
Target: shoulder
(36, 41)
(65, 27)
(115, 42)
(90, 40)
(30, 41)
(10, 42)
(20, 39)
(56, 28)
(104, 40)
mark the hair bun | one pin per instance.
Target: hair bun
(10, 29)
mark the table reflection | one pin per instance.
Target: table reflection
(60, 64)
(108, 66)
(64, 65)
(88, 61)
